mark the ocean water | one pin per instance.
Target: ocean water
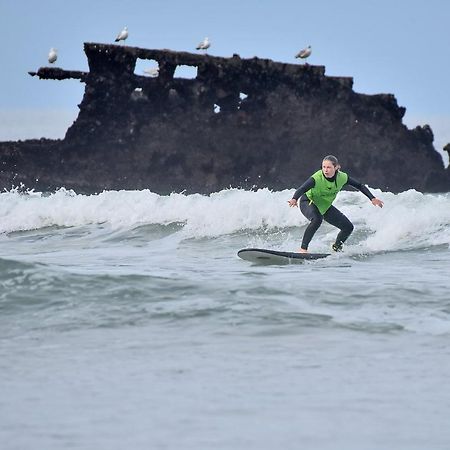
(127, 321)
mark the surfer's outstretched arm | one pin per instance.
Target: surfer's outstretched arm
(364, 189)
(306, 186)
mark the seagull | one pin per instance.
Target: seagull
(52, 55)
(204, 45)
(303, 54)
(122, 35)
(152, 71)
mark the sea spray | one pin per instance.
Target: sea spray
(408, 220)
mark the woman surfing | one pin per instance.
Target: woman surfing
(316, 196)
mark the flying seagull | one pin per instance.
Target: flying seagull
(52, 55)
(303, 54)
(122, 35)
(204, 45)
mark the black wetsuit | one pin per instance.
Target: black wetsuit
(333, 216)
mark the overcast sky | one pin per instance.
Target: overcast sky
(400, 47)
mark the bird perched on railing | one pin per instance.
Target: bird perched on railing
(52, 55)
(305, 53)
(204, 45)
(122, 35)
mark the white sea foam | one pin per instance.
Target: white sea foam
(408, 220)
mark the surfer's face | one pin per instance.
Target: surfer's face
(328, 169)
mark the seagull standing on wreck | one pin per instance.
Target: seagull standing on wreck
(204, 45)
(52, 55)
(122, 35)
(305, 53)
(152, 71)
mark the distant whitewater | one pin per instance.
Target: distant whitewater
(408, 220)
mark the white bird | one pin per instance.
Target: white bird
(204, 45)
(52, 55)
(152, 71)
(303, 54)
(122, 35)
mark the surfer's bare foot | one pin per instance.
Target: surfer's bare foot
(302, 250)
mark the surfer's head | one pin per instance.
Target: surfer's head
(330, 165)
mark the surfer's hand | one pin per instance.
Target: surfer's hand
(377, 202)
(292, 202)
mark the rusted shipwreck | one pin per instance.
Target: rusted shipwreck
(245, 123)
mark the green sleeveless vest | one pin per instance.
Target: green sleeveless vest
(324, 192)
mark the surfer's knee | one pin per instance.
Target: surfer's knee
(317, 220)
(349, 228)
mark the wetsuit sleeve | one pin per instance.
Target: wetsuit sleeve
(306, 186)
(361, 187)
